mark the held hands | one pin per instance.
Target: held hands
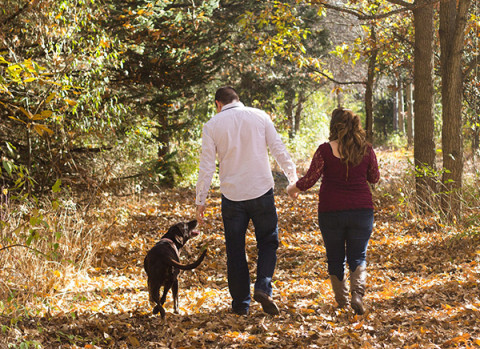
(293, 191)
(200, 214)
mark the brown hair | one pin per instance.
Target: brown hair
(346, 128)
(226, 95)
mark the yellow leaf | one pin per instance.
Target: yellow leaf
(308, 311)
(200, 302)
(29, 79)
(133, 341)
(69, 101)
(14, 118)
(49, 98)
(27, 113)
(358, 326)
(41, 129)
(46, 113)
(43, 115)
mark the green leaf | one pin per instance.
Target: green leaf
(56, 186)
(8, 166)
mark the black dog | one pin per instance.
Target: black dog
(162, 264)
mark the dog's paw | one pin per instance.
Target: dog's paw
(159, 309)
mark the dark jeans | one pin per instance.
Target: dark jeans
(236, 216)
(346, 235)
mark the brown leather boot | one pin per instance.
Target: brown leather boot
(340, 290)
(357, 287)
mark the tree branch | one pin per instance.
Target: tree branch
(19, 11)
(400, 2)
(334, 80)
(24, 246)
(471, 65)
(363, 16)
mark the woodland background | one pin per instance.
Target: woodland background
(101, 109)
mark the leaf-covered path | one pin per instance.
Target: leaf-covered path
(422, 290)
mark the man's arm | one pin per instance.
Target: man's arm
(279, 152)
(205, 172)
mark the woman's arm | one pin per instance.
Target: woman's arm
(373, 174)
(313, 174)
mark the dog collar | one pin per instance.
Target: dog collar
(171, 243)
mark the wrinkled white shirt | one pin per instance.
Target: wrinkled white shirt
(239, 136)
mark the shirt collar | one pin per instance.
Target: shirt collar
(232, 105)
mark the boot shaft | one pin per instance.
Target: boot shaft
(340, 290)
(357, 285)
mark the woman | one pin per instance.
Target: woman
(345, 207)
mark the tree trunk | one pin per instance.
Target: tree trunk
(372, 60)
(424, 144)
(409, 114)
(400, 108)
(395, 105)
(452, 34)
(298, 111)
(339, 96)
(289, 101)
(163, 151)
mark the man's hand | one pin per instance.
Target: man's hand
(200, 214)
(293, 191)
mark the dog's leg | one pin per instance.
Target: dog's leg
(166, 288)
(150, 292)
(175, 296)
(154, 291)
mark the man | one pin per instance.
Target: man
(239, 137)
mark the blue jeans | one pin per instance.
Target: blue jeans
(236, 217)
(346, 235)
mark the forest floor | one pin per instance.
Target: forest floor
(422, 289)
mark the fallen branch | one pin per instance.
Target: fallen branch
(24, 246)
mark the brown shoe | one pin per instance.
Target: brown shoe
(267, 302)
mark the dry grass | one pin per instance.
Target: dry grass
(43, 243)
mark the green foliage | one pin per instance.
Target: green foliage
(314, 129)
(53, 87)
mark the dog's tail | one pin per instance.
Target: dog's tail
(188, 266)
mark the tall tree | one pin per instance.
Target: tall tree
(424, 143)
(410, 114)
(453, 19)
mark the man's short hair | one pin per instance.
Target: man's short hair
(226, 95)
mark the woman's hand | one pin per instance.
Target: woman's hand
(293, 191)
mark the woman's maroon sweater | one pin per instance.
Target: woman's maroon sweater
(340, 190)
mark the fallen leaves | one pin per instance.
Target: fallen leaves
(422, 289)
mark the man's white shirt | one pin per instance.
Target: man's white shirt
(241, 136)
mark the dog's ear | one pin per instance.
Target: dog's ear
(174, 230)
(192, 224)
(174, 233)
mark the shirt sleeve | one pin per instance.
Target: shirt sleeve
(314, 172)
(279, 151)
(373, 174)
(206, 167)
